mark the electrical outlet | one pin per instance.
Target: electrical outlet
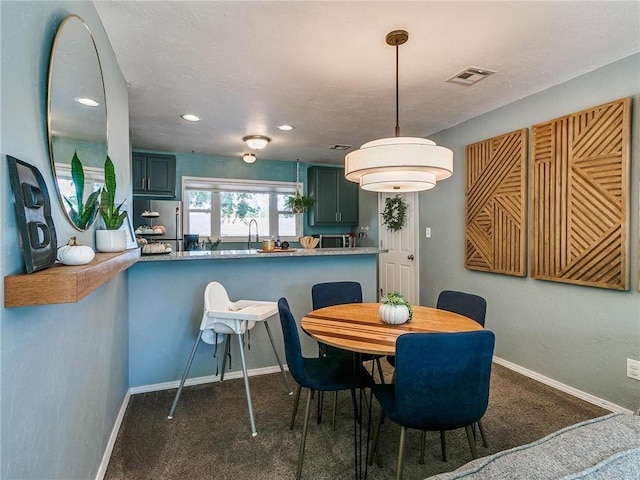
(633, 369)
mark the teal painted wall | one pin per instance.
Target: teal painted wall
(195, 165)
(64, 368)
(579, 336)
(166, 302)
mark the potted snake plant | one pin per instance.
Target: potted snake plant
(82, 213)
(112, 239)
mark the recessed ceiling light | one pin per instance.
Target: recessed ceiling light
(249, 158)
(87, 102)
(190, 118)
(256, 142)
(286, 127)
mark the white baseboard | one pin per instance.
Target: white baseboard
(587, 397)
(201, 380)
(102, 469)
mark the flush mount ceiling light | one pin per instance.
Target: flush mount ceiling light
(249, 158)
(286, 128)
(398, 164)
(256, 142)
(87, 102)
(190, 117)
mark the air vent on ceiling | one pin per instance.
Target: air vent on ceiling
(341, 147)
(470, 75)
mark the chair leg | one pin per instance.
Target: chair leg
(376, 436)
(472, 444)
(403, 434)
(284, 375)
(246, 387)
(184, 376)
(423, 443)
(377, 360)
(295, 408)
(443, 445)
(226, 348)
(485, 444)
(333, 413)
(307, 410)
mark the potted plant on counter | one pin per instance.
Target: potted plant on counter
(394, 309)
(113, 239)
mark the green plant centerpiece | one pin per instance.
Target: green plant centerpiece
(394, 214)
(113, 239)
(299, 203)
(82, 213)
(395, 309)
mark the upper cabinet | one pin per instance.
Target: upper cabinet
(336, 199)
(153, 174)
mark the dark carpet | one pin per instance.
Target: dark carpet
(210, 438)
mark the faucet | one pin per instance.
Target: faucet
(253, 220)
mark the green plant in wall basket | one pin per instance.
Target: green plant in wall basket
(395, 309)
(82, 213)
(395, 213)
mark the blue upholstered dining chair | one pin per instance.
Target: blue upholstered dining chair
(328, 294)
(473, 307)
(316, 374)
(441, 383)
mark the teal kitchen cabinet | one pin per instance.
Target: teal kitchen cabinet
(153, 174)
(336, 199)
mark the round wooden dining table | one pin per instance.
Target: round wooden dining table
(357, 326)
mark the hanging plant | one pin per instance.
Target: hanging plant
(394, 214)
(298, 203)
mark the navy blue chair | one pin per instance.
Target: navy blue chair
(337, 293)
(316, 374)
(441, 383)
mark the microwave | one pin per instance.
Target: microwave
(334, 241)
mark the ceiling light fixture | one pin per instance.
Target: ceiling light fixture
(286, 128)
(249, 158)
(398, 164)
(190, 117)
(87, 102)
(256, 142)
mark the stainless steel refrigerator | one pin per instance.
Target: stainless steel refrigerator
(170, 216)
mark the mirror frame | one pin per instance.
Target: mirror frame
(52, 61)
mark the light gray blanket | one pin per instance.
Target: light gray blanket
(604, 448)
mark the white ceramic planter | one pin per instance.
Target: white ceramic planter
(394, 314)
(111, 240)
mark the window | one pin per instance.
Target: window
(223, 208)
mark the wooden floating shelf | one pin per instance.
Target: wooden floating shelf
(63, 283)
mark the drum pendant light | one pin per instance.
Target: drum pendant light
(398, 164)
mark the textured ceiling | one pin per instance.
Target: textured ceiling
(324, 67)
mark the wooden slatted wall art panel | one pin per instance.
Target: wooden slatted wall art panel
(495, 192)
(580, 194)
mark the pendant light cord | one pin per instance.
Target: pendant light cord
(397, 91)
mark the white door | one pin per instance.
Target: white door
(398, 269)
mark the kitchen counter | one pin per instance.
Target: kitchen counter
(253, 253)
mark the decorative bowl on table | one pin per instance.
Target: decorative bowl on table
(308, 242)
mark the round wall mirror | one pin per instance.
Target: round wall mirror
(77, 121)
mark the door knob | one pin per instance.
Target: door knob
(410, 257)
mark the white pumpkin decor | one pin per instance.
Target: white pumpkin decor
(394, 309)
(73, 253)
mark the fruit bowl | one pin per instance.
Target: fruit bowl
(309, 242)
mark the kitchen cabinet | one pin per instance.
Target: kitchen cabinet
(336, 199)
(153, 174)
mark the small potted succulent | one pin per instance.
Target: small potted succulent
(394, 309)
(113, 239)
(299, 203)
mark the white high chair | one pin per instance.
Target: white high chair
(223, 316)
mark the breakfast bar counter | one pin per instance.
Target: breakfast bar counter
(166, 301)
(253, 253)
